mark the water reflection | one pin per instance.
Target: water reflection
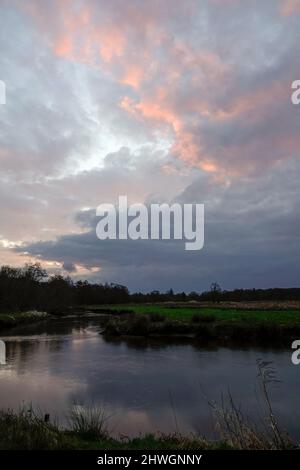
(61, 362)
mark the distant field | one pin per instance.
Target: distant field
(284, 317)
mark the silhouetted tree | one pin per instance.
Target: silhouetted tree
(215, 291)
(31, 288)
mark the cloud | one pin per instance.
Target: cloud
(175, 84)
(69, 267)
(250, 233)
(160, 101)
(180, 84)
(289, 7)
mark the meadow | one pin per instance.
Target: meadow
(210, 323)
(228, 315)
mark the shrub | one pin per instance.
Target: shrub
(204, 331)
(112, 327)
(156, 317)
(138, 325)
(201, 318)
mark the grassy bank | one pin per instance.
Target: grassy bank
(287, 317)
(12, 319)
(28, 432)
(207, 323)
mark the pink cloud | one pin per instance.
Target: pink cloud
(289, 7)
(173, 80)
(254, 103)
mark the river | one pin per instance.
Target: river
(142, 385)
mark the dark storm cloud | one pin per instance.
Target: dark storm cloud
(251, 233)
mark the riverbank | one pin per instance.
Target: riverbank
(225, 325)
(27, 431)
(8, 320)
(21, 431)
(208, 323)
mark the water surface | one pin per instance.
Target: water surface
(144, 385)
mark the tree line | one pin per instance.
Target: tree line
(30, 287)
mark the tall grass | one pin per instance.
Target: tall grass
(240, 432)
(89, 423)
(27, 430)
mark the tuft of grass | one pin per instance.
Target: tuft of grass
(88, 423)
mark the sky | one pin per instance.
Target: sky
(183, 101)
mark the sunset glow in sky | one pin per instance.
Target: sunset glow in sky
(163, 101)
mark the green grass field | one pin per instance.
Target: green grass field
(283, 317)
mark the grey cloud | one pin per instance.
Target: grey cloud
(69, 267)
(252, 239)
